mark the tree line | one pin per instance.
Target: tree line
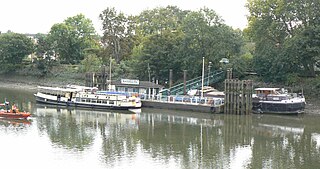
(280, 44)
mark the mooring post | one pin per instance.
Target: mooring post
(238, 96)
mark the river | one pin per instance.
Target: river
(60, 138)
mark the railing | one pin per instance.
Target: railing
(184, 99)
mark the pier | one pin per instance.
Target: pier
(237, 98)
(196, 104)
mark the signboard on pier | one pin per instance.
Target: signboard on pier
(130, 81)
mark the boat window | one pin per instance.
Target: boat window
(130, 90)
(141, 90)
(121, 89)
(111, 102)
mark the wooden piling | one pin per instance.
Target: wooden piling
(238, 96)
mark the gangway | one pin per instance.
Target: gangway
(195, 83)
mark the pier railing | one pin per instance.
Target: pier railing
(184, 99)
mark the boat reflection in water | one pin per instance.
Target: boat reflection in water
(14, 122)
(315, 137)
(274, 125)
(173, 139)
(88, 116)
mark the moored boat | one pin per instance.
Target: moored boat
(86, 97)
(277, 101)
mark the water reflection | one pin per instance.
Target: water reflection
(75, 128)
(22, 98)
(9, 126)
(156, 138)
(162, 139)
(15, 122)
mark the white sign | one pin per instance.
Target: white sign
(129, 81)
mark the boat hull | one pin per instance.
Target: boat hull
(10, 115)
(278, 108)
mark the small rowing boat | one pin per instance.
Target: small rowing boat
(12, 113)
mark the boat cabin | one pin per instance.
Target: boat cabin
(263, 92)
(274, 94)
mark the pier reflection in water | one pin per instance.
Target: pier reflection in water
(75, 138)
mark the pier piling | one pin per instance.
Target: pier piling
(238, 96)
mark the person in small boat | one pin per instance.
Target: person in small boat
(7, 106)
(14, 108)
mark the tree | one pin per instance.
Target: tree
(118, 34)
(160, 54)
(90, 63)
(155, 21)
(285, 36)
(158, 41)
(13, 49)
(44, 54)
(174, 39)
(207, 36)
(71, 38)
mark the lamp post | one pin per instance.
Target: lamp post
(225, 61)
(209, 72)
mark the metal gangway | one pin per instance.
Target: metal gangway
(195, 83)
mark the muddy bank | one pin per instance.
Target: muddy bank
(313, 106)
(21, 86)
(31, 83)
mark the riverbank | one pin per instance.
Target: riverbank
(31, 83)
(20, 86)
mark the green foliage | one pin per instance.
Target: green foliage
(160, 52)
(293, 79)
(71, 38)
(310, 86)
(123, 70)
(157, 20)
(44, 54)
(44, 66)
(286, 35)
(117, 34)
(13, 49)
(170, 38)
(91, 63)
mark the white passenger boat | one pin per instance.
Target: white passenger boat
(87, 97)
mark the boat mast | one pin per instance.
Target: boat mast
(110, 75)
(202, 78)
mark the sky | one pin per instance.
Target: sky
(37, 16)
